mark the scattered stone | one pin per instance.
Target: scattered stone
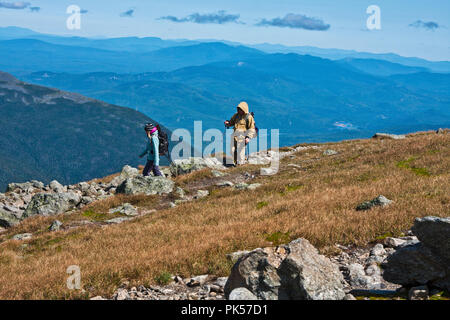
(241, 294)
(294, 165)
(125, 209)
(217, 173)
(381, 201)
(418, 293)
(183, 166)
(122, 294)
(201, 194)
(329, 152)
(146, 185)
(389, 136)
(48, 204)
(294, 271)
(98, 298)
(117, 220)
(55, 226)
(22, 236)
(245, 186)
(393, 242)
(57, 187)
(180, 193)
(197, 281)
(225, 184)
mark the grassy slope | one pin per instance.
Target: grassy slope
(316, 202)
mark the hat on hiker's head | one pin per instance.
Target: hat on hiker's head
(149, 127)
(243, 106)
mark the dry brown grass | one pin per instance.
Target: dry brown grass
(316, 202)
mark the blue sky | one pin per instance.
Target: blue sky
(408, 27)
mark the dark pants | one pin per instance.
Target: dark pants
(150, 167)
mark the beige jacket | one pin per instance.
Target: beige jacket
(240, 122)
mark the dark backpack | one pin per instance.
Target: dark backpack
(163, 142)
(247, 121)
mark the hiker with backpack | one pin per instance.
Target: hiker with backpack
(153, 149)
(244, 130)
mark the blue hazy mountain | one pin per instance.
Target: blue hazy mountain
(147, 44)
(49, 134)
(307, 98)
(28, 55)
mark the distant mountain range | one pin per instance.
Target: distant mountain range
(49, 134)
(148, 44)
(307, 98)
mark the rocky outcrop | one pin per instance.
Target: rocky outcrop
(294, 271)
(426, 262)
(183, 166)
(49, 204)
(146, 185)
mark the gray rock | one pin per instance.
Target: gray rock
(253, 186)
(217, 173)
(225, 184)
(9, 219)
(122, 294)
(48, 204)
(201, 194)
(418, 293)
(37, 184)
(22, 236)
(389, 136)
(349, 297)
(241, 294)
(413, 265)
(117, 220)
(380, 201)
(126, 209)
(86, 200)
(294, 271)
(393, 242)
(126, 173)
(197, 281)
(434, 233)
(183, 166)
(378, 250)
(146, 185)
(368, 279)
(55, 226)
(440, 131)
(180, 193)
(57, 187)
(329, 152)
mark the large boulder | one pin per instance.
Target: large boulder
(434, 233)
(183, 166)
(146, 185)
(127, 172)
(413, 265)
(295, 271)
(425, 262)
(9, 219)
(49, 204)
